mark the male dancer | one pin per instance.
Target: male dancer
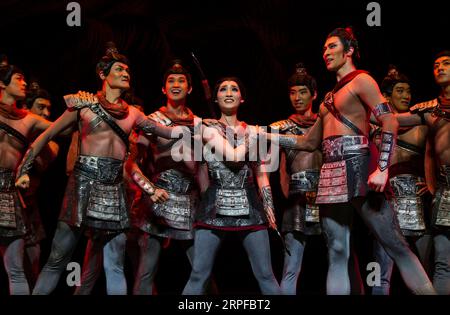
(301, 217)
(16, 127)
(37, 102)
(436, 115)
(95, 199)
(172, 217)
(344, 179)
(406, 179)
(93, 259)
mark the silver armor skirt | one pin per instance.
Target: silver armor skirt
(344, 173)
(441, 201)
(95, 195)
(174, 217)
(301, 213)
(13, 219)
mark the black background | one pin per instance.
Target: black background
(259, 41)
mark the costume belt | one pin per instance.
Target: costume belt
(174, 181)
(102, 169)
(303, 181)
(337, 148)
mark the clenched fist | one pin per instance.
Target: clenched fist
(23, 181)
(159, 196)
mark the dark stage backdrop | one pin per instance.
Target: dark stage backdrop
(259, 41)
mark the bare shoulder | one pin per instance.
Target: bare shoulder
(366, 88)
(424, 106)
(322, 110)
(135, 113)
(364, 80)
(33, 118)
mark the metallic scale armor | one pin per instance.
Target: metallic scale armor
(95, 195)
(174, 217)
(302, 214)
(407, 186)
(441, 202)
(345, 170)
(13, 219)
(407, 202)
(231, 200)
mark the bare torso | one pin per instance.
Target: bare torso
(166, 155)
(350, 106)
(416, 136)
(102, 141)
(11, 149)
(298, 161)
(440, 128)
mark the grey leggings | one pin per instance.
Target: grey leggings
(63, 245)
(111, 256)
(207, 243)
(150, 250)
(423, 245)
(380, 218)
(296, 242)
(441, 278)
(32, 268)
(13, 254)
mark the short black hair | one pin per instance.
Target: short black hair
(35, 92)
(348, 39)
(301, 77)
(391, 79)
(440, 54)
(231, 78)
(7, 70)
(177, 68)
(111, 56)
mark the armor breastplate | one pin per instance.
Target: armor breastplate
(232, 180)
(231, 196)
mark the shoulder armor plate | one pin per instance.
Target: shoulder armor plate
(425, 106)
